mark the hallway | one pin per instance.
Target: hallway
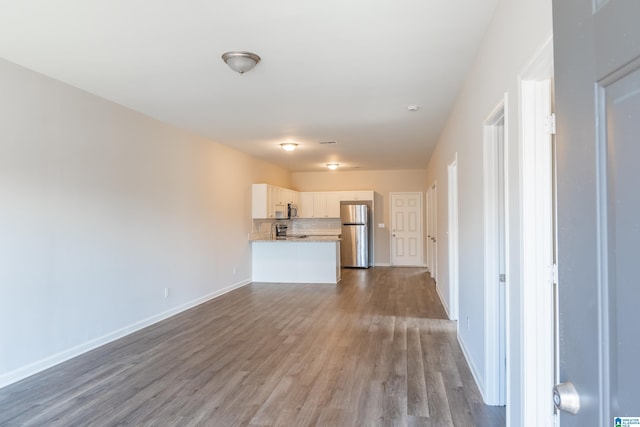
(374, 350)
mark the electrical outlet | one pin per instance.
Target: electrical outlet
(166, 292)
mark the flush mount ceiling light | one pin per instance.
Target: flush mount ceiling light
(240, 62)
(413, 108)
(289, 146)
(333, 166)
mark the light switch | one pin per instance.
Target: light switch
(381, 225)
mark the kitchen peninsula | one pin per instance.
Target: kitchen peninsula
(310, 249)
(297, 259)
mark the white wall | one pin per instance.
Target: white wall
(518, 29)
(101, 208)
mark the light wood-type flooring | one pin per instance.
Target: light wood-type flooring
(375, 350)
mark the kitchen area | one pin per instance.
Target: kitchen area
(307, 237)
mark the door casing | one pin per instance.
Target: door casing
(496, 251)
(537, 260)
(452, 212)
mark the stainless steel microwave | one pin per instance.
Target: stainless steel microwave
(292, 211)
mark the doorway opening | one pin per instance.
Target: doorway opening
(496, 251)
(452, 174)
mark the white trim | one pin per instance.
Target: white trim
(443, 302)
(536, 256)
(432, 230)
(472, 367)
(40, 365)
(452, 211)
(495, 315)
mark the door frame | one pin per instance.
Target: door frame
(420, 243)
(432, 230)
(496, 315)
(452, 213)
(538, 271)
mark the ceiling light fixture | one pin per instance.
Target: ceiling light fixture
(289, 146)
(240, 62)
(413, 108)
(333, 166)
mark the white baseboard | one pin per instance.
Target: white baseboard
(474, 370)
(48, 362)
(444, 304)
(382, 264)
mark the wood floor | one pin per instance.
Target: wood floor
(375, 350)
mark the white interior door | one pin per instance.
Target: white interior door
(406, 229)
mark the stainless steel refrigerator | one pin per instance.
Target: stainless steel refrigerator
(355, 236)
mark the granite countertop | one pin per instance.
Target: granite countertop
(298, 238)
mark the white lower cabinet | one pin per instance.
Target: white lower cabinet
(296, 262)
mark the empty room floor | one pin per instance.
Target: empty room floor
(374, 350)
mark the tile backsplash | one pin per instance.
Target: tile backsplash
(316, 226)
(264, 228)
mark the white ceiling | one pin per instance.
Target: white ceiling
(331, 70)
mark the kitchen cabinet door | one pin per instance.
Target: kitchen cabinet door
(295, 197)
(333, 204)
(306, 207)
(263, 201)
(319, 204)
(285, 196)
(281, 200)
(349, 196)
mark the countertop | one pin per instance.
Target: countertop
(301, 238)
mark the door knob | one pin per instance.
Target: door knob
(566, 398)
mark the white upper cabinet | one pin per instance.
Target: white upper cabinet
(319, 204)
(260, 201)
(269, 201)
(356, 195)
(305, 208)
(333, 204)
(286, 196)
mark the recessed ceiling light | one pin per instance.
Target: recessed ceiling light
(413, 107)
(333, 166)
(289, 146)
